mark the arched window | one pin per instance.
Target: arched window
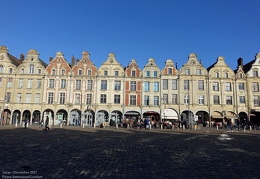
(31, 69)
(1, 68)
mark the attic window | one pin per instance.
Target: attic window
(31, 59)
(58, 59)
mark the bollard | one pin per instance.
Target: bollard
(150, 126)
(250, 128)
(83, 125)
(217, 127)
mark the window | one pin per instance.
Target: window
(255, 73)
(103, 84)
(169, 71)
(117, 85)
(105, 73)
(201, 85)
(228, 99)
(80, 72)
(22, 71)
(77, 98)
(186, 84)
(51, 83)
(242, 99)
(37, 98)
(89, 72)
(10, 70)
(78, 84)
(8, 97)
(20, 83)
(165, 98)
(216, 99)
(90, 83)
(215, 86)
(146, 100)
(156, 101)
(31, 69)
(187, 72)
(156, 86)
(10, 83)
(28, 97)
(39, 83)
(133, 73)
(63, 72)
(147, 73)
(53, 72)
(198, 71)
(117, 99)
(174, 84)
(217, 74)
(29, 84)
(228, 86)
(155, 74)
(89, 98)
(241, 86)
(133, 86)
(201, 99)
(132, 100)
(256, 101)
(19, 97)
(255, 87)
(174, 99)
(39, 71)
(186, 99)
(1, 68)
(226, 75)
(62, 98)
(103, 98)
(165, 84)
(240, 75)
(50, 98)
(1, 82)
(63, 83)
(116, 73)
(146, 86)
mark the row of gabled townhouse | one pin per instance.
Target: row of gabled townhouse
(81, 92)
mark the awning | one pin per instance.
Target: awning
(217, 116)
(132, 114)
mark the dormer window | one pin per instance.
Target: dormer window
(240, 75)
(187, 72)
(89, 72)
(105, 73)
(169, 71)
(53, 72)
(147, 73)
(1, 68)
(133, 73)
(63, 72)
(116, 73)
(80, 72)
(226, 75)
(217, 74)
(255, 73)
(39, 71)
(155, 74)
(10, 70)
(31, 69)
(31, 59)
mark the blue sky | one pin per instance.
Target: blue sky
(133, 29)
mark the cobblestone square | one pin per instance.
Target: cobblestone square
(72, 152)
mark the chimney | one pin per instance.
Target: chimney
(72, 61)
(50, 59)
(21, 57)
(240, 62)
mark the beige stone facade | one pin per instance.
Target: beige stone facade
(79, 93)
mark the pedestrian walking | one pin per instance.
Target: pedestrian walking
(25, 123)
(47, 124)
(229, 128)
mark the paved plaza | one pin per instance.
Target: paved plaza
(76, 152)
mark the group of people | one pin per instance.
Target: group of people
(240, 124)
